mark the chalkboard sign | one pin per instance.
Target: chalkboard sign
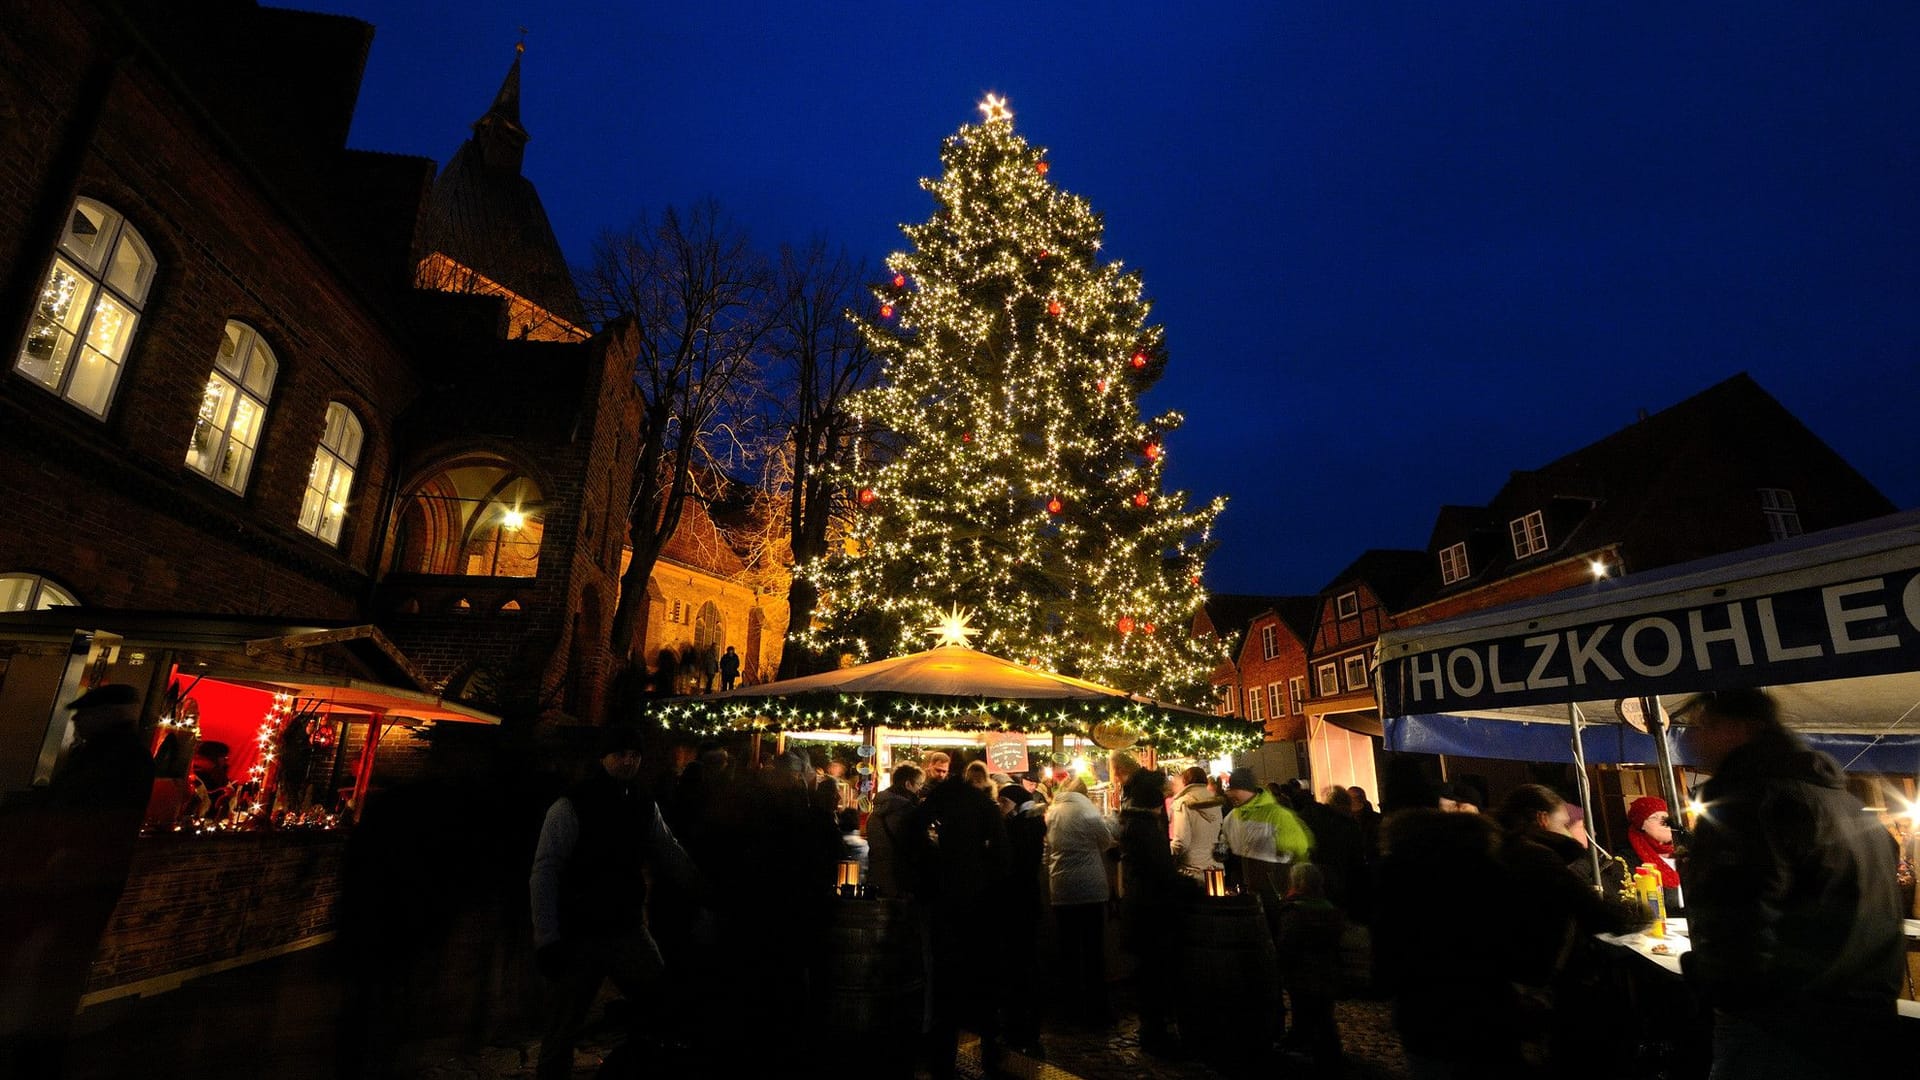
(1007, 754)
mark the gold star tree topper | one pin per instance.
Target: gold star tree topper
(952, 629)
(995, 108)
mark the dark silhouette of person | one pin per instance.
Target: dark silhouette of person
(960, 841)
(69, 855)
(1024, 898)
(1153, 902)
(589, 888)
(729, 669)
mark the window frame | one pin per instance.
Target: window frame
(1269, 642)
(1254, 712)
(1347, 605)
(320, 499)
(239, 389)
(97, 273)
(1782, 513)
(1297, 693)
(1453, 563)
(1276, 699)
(1327, 679)
(37, 588)
(1355, 662)
(1528, 530)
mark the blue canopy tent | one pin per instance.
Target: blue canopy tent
(1828, 622)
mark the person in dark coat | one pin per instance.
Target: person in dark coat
(71, 853)
(1026, 905)
(729, 669)
(1309, 947)
(1793, 909)
(960, 845)
(589, 888)
(1339, 849)
(887, 824)
(1153, 897)
(1436, 949)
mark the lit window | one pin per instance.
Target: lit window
(1347, 605)
(1276, 700)
(31, 592)
(1453, 564)
(1328, 676)
(330, 480)
(1254, 712)
(1529, 534)
(1782, 513)
(1269, 642)
(1356, 671)
(89, 304)
(1297, 690)
(227, 431)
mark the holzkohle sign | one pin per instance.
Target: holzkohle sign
(1868, 625)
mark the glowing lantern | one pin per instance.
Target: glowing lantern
(1216, 881)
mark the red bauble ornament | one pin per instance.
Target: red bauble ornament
(1040, 167)
(1043, 253)
(1139, 359)
(1054, 505)
(1125, 625)
(1140, 498)
(1101, 386)
(1152, 451)
(1196, 579)
(899, 281)
(866, 496)
(1148, 627)
(966, 436)
(1053, 307)
(886, 311)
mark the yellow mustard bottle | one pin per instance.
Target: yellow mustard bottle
(1646, 881)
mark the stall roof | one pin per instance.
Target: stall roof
(345, 694)
(1830, 622)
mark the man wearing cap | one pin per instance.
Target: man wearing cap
(1793, 911)
(1266, 840)
(589, 892)
(83, 838)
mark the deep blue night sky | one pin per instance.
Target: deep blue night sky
(1400, 249)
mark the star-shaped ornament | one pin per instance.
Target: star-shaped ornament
(995, 108)
(953, 628)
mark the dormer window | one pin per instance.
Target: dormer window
(1453, 564)
(1782, 513)
(1529, 534)
(1347, 605)
(1269, 642)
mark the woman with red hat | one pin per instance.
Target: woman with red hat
(1650, 832)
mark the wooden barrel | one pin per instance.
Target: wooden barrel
(876, 979)
(1230, 984)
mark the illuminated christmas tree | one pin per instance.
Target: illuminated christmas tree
(1023, 482)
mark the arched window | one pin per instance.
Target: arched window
(31, 592)
(330, 480)
(84, 318)
(478, 517)
(227, 431)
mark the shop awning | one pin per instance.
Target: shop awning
(347, 695)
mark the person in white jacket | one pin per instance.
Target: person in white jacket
(1196, 813)
(1077, 843)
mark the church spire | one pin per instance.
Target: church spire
(502, 141)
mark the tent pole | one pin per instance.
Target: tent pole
(1584, 790)
(1663, 752)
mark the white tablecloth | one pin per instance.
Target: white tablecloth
(1676, 943)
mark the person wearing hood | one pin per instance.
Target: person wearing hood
(1197, 813)
(1792, 903)
(1651, 836)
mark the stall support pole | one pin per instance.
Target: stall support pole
(753, 751)
(1585, 791)
(363, 773)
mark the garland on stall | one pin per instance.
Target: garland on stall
(1178, 732)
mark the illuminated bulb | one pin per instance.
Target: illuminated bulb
(1599, 568)
(995, 108)
(513, 519)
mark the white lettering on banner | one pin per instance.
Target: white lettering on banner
(1770, 636)
(1581, 655)
(1493, 673)
(1910, 599)
(1735, 632)
(1538, 679)
(1465, 690)
(1419, 677)
(1839, 617)
(1630, 648)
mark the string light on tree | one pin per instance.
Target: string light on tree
(1012, 355)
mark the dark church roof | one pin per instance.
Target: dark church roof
(488, 218)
